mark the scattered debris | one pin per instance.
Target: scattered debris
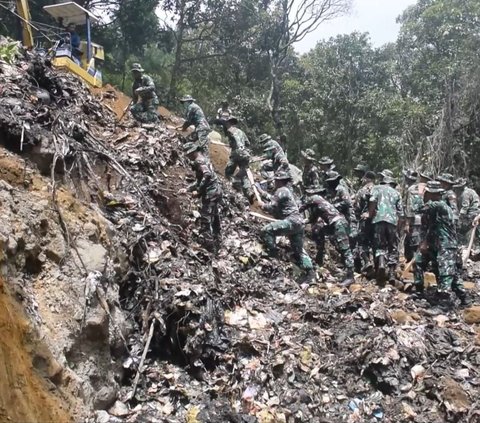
(232, 337)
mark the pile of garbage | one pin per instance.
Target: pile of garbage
(233, 337)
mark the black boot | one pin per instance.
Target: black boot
(391, 276)
(349, 278)
(381, 270)
(309, 277)
(464, 297)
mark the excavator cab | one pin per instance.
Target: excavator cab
(85, 58)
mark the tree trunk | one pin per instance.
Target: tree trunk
(274, 101)
(178, 56)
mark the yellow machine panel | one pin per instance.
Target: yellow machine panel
(67, 63)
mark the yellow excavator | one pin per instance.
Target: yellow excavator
(83, 60)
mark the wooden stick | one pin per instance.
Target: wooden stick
(252, 182)
(144, 355)
(409, 265)
(22, 138)
(262, 216)
(466, 254)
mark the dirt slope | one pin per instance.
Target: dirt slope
(22, 385)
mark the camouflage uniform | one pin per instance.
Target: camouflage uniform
(209, 190)
(310, 176)
(412, 238)
(451, 199)
(239, 157)
(340, 198)
(439, 233)
(328, 220)
(145, 100)
(195, 116)
(469, 205)
(284, 207)
(365, 227)
(279, 161)
(388, 210)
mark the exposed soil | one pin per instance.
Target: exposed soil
(22, 381)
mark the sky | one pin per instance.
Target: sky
(378, 17)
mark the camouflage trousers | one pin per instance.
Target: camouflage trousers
(145, 111)
(465, 229)
(364, 241)
(240, 160)
(412, 241)
(294, 231)
(444, 265)
(338, 234)
(210, 222)
(385, 243)
(200, 136)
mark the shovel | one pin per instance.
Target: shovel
(466, 253)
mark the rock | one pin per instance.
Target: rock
(94, 256)
(91, 231)
(472, 315)
(104, 398)
(56, 248)
(119, 409)
(12, 245)
(102, 417)
(96, 324)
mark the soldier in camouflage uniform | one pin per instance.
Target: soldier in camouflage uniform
(279, 162)
(194, 116)
(339, 196)
(438, 245)
(326, 165)
(447, 181)
(468, 203)
(284, 207)
(239, 157)
(144, 97)
(328, 221)
(359, 172)
(208, 189)
(413, 218)
(385, 210)
(365, 227)
(311, 173)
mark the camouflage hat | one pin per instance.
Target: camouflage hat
(190, 147)
(446, 177)
(233, 120)
(333, 176)
(389, 180)
(386, 172)
(410, 174)
(460, 183)
(264, 138)
(315, 189)
(282, 176)
(434, 187)
(426, 175)
(325, 160)
(370, 175)
(308, 154)
(186, 98)
(137, 67)
(360, 168)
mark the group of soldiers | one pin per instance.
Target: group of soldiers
(364, 219)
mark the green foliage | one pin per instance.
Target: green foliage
(9, 51)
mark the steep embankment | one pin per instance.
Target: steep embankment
(25, 395)
(210, 338)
